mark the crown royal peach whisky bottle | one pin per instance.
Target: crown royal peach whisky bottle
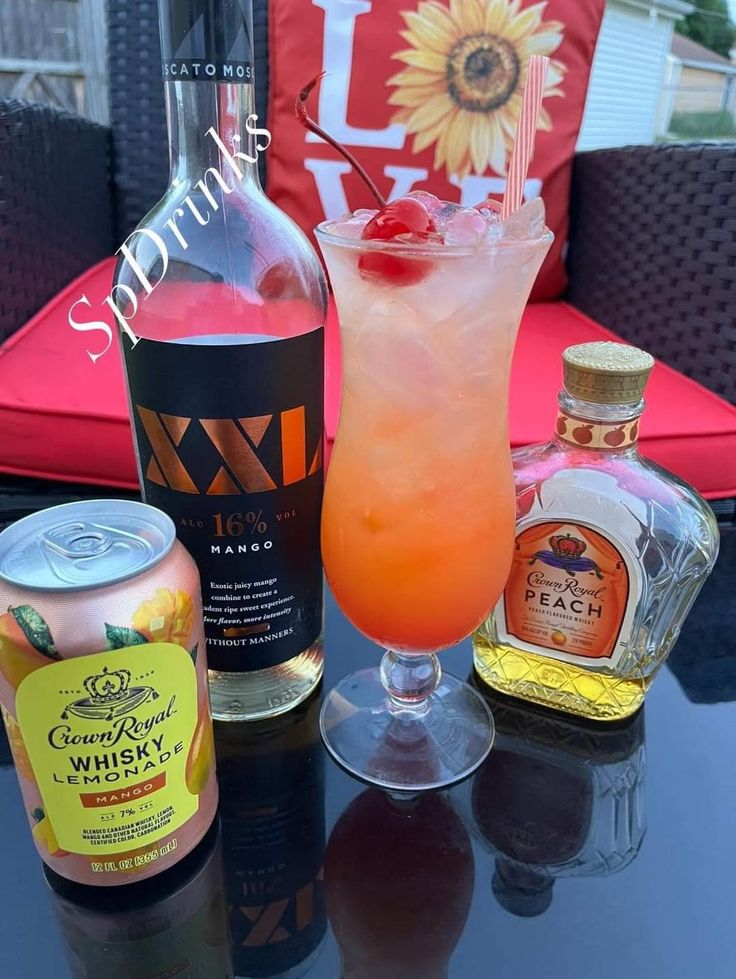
(611, 551)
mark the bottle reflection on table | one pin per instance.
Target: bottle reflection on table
(399, 877)
(271, 777)
(557, 798)
(171, 925)
(704, 657)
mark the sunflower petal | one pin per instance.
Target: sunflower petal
(509, 118)
(498, 146)
(439, 155)
(413, 76)
(544, 43)
(556, 73)
(432, 112)
(538, 9)
(428, 60)
(496, 17)
(464, 167)
(545, 121)
(438, 15)
(456, 139)
(428, 136)
(413, 95)
(554, 25)
(480, 16)
(468, 14)
(480, 143)
(425, 33)
(526, 22)
(401, 116)
(513, 106)
(442, 146)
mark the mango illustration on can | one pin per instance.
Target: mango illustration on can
(44, 836)
(25, 645)
(201, 758)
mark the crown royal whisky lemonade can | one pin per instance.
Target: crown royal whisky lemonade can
(103, 689)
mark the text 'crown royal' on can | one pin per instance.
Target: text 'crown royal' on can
(103, 689)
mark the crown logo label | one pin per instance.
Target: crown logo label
(567, 546)
(110, 696)
(566, 553)
(107, 687)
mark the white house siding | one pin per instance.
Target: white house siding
(626, 80)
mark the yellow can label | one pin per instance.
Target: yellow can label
(108, 737)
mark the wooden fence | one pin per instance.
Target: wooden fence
(55, 51)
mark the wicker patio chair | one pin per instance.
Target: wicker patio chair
(652, 244)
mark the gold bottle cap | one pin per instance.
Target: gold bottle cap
(606, 373)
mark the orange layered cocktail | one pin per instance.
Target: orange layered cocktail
(418, 517)
(418, 520)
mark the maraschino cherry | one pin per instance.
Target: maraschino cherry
(403, 220)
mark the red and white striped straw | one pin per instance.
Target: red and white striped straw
(526, 132)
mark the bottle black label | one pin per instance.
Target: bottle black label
(207, 40)
(230, 443)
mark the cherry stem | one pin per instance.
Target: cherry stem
(302, 115)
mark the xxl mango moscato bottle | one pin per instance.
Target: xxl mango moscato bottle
(222, 304)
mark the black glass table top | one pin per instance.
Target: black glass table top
(578, 851)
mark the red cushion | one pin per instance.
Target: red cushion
(686, 428)
(63, 417)
(387, 96)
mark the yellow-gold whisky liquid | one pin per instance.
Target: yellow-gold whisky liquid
(553, 683)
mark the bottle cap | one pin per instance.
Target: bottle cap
(606, 373)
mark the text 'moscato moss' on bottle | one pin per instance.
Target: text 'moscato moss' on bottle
(226, 300)
(611, 551)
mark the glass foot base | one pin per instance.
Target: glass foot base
(405, 748)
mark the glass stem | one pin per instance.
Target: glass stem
(409, 679)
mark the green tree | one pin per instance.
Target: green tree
(710, 26)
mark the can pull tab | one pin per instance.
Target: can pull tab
(77, 540)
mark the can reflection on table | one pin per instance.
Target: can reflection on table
(172, 925)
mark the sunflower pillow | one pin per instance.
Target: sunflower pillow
(426, 93)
